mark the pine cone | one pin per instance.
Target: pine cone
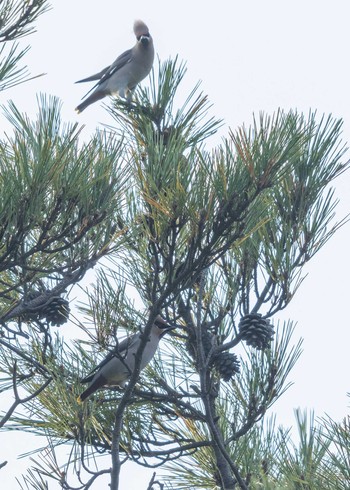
(256, 331)
(227, 365)
(56, 312)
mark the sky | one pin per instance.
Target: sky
(251, 56)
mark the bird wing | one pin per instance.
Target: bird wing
(121, 61)
(103, 75)
(119, 351)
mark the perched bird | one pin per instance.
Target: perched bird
(118, 366)
(122, 76)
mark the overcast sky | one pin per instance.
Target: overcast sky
(251, 56)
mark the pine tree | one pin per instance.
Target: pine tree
(214, 239)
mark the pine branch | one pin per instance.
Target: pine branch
(17, 17)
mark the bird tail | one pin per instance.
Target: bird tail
(90, 100)
(85, 394)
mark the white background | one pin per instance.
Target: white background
(251, 56)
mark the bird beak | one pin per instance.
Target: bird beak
(167, 328)
(171, 327)
(144, 40)
(164, 326)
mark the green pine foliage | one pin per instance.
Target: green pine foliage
(205, 235)
(17, 18)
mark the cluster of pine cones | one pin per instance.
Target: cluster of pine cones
(255, 330)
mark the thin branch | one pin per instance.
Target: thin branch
(154, 482)
(20, 401)
(70, 278)
(43, 370)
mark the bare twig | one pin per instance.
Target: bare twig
(20, 401)
(153, 482)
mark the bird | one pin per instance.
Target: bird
(118, 366)
(122, 76)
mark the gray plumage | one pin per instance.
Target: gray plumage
(122, 76)
(119, 364)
